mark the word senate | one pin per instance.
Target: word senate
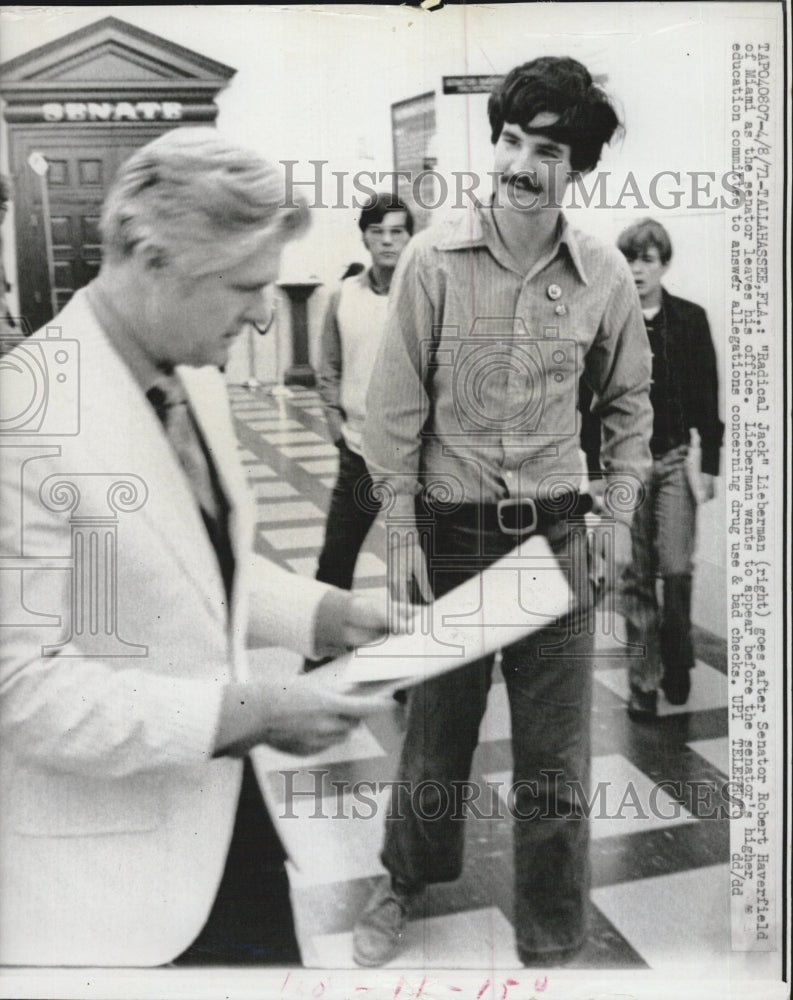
(112, 111)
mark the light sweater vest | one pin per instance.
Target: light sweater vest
(360, 316)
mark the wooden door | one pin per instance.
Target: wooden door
(82, 164)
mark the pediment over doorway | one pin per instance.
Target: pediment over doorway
(109, 60)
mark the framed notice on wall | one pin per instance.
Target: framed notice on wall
(413, 131)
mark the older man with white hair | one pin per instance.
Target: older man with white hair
(134, 831)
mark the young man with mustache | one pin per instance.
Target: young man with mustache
(492, 320)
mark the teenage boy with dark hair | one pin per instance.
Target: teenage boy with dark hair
(500, 443)
(684, 395)
(350, 340)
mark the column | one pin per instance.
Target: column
(299, 292)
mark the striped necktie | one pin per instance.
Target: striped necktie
(168, 398)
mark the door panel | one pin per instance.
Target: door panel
(82, 164)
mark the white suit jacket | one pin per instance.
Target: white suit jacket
(116, 819)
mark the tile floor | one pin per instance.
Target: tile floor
(660, 885)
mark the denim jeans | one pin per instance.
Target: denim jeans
(663, 537)
(352, 512)
(550, 701)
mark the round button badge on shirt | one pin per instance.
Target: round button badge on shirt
(554, 292)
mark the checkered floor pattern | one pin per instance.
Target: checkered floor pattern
(660, 894)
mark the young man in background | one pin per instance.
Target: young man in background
(351, 337)
(684, 396)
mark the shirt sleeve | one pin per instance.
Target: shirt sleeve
(287, 610)
(330, 367)
(397, 402)
(618, 368)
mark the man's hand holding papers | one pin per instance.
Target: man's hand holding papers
(520, 594)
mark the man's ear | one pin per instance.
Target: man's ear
(152, 255)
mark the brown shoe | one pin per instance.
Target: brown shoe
(377, 937)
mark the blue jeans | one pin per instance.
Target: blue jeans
(352, 512)
(550, 702)
(663, 536)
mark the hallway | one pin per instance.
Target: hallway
(660, 894)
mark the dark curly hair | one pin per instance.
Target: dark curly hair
(562, 86)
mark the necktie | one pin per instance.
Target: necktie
(168, 398)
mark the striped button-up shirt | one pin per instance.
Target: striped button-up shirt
(476, 383)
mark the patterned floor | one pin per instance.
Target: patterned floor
(660, 895)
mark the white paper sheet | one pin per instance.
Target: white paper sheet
(519, 594)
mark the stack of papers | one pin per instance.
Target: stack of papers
(519, 594)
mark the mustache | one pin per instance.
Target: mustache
(525, 182)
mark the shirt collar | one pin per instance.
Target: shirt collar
(477, 229)
(377, 289)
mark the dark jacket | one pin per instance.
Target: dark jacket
(690, 351)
